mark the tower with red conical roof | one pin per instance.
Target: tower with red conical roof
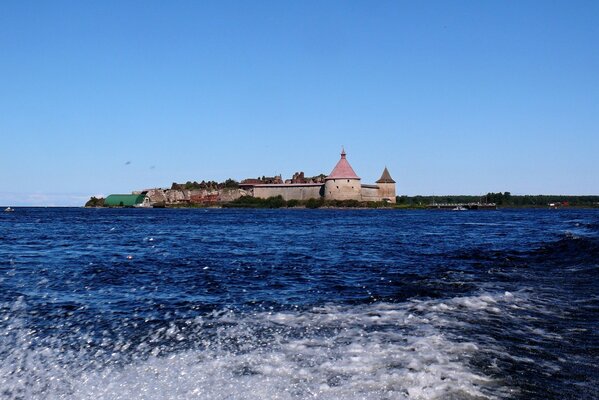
(342, 183)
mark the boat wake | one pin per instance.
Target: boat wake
(412, 350)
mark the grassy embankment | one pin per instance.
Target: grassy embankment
(279, 202)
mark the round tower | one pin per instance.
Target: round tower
(386, 186)
(342, 183)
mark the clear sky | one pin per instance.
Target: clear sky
(454, 97)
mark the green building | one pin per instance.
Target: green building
(125, 200)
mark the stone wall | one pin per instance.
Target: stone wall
(333, 189)
(371, 193)
(289, 191)
(226, 194)
(195, 196)
(387, 191)
(343, 189)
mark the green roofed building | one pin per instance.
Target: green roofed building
(126, 200)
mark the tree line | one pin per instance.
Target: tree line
(505, 199)
(209, 185)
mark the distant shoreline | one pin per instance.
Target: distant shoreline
(179, 207)
(458, 202)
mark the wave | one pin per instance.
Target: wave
(571, 248)
(381, 350)
(568, 249)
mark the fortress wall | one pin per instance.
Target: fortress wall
(371, 194)
(225, 195)
(156, 196)
(341, 189)
(387, 191)
(195, 196)
(288, 192)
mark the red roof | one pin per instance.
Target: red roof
(342, 170)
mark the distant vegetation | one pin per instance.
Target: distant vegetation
(279, 202)
(208, 185)
(95, 202)
(254, 202)
(543, 200)
(505, 199)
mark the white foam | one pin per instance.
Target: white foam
(378, 351)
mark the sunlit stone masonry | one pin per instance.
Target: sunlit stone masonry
(341, 184)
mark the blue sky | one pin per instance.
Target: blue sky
(454, 97)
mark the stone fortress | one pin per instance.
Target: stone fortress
(341, 184)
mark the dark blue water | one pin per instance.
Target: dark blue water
(296, 304)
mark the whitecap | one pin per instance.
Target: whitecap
(377, 351)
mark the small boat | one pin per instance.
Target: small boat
(8, 209)
(459, 208)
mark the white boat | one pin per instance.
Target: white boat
(459, 208)
(8, 209)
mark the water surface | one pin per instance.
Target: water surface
(297, 304)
